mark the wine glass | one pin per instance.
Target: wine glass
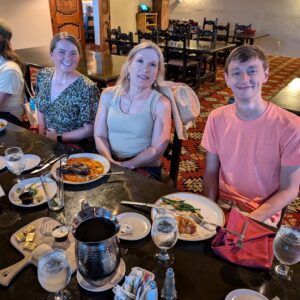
(164, 234)
(54, 274)
(15, 161)
(286, 247)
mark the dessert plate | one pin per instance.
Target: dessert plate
(245, 294)
(140, 226)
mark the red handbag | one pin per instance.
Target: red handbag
(257, 245)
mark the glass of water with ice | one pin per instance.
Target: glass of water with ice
(54, 274)
(286, 247)
(15, 161)
(164, 234)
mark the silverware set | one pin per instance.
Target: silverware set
(239, 244)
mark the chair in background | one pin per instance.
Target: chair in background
(223, 36)
(212, 23)
(149, 36)
(89, 29)
(112, 37)
(124, 43)
(172, 154)
(239, 28)
(179, 66)
(208, 60)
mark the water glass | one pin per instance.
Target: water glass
(54, 274)
(164, 234)
(56, 201)
(286, 247)
(15, 161)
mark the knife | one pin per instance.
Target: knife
(48, 164)
(145, 204)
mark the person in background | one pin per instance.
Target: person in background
(11, 78)
(253, 146)
(66, 100)
(133, 122)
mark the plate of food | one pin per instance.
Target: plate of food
(134, 226)
(82, 168)
(184, 205)
(245, 294)
(3, 124)
(30, 192)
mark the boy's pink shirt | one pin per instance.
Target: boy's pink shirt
(252, 152)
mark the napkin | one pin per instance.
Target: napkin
(257, 250)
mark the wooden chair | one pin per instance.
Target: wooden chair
(124, 43)
(112, 39)
(150, 36)
(212, 23)
(223, 36)
(239, 28)
(172, 154)
(89, 29)
(179, 66)
(207, 59)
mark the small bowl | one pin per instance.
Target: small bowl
(3, 124)
(60, 233)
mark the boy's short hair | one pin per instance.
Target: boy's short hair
(244, 53)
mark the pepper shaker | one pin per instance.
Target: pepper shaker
(169, 291)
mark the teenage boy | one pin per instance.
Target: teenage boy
(253, 146)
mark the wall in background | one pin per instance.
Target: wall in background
(30, 21)
(123, 13)
(279, 18)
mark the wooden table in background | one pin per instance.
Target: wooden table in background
(289, 97)
(102, 68)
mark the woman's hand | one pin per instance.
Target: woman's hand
(51, 134)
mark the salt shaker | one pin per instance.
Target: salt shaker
(151, 293)
(169, 291)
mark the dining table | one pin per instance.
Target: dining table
(289, 97)
(246, 37)
(199, 272)
(100, 67)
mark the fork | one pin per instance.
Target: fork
(200, 221)
(239, 244)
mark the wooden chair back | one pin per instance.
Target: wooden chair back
(223, 32)
(124, 43)
(207, 35)
(112, 38)
(212, 23)
(150, 36)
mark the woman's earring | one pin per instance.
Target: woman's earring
(154, 84)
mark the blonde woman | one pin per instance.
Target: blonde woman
(133, 122)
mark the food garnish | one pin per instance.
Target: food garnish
(180, 205)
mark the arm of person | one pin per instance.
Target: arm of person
(41, 122)
(160, 137)
(211, 176)
(288, 190)
(3, 98)
(100, 128)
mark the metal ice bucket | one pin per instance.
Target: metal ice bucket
(97, 246)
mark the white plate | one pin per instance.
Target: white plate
(13, 194)
(2, 163)
(245, 294)
(96, 157)
(210, 211)
(113, 281)
(140, 224)
(32, 161)
(3, 122)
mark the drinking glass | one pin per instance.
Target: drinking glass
(55, 200)
(54, 274)
(15, 161)
(287, 250)
(164, 234)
